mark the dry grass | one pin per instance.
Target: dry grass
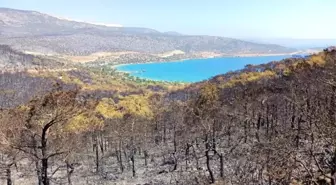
(95, 56)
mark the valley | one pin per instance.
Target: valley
(68, 116)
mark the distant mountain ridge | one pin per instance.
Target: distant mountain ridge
(297, 43)
(38, 32)
(16, 23)
(94, 23)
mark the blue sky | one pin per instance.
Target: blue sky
(231, 18)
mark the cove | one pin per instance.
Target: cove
(193, 70)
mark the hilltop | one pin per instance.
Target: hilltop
(13, 60)
(32, 31)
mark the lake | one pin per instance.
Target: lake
(193, 70)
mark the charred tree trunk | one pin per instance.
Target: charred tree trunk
(133, 165)
(70, 170)
(146, 157)
(187, 155)
(293, 116)
(164, 132)
(97, 157)
(37, 162)
(195, 156)
(207, 155)
(267, 121)
(119, 157)
(101, 143)
(44, 160)
(213, 144)
(245, 131)
(38, 172)
(298, 133)
(221, 166)
(133, 149)
(45, 179)
(212, 179)
(96, 150)
(229, 134)
(258, 127)
(9, 175)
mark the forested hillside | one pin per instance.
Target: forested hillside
(31, 31)
(267, 124)
(13, 60)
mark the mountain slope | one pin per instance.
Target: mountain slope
(38, 32)
(266, 115)
(16, 23)
(12, 60)
(263, 124)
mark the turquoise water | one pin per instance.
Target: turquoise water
(193, 70)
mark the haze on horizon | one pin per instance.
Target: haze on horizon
(300, 19)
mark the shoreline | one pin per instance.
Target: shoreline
(210, 57)
(156, 80)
